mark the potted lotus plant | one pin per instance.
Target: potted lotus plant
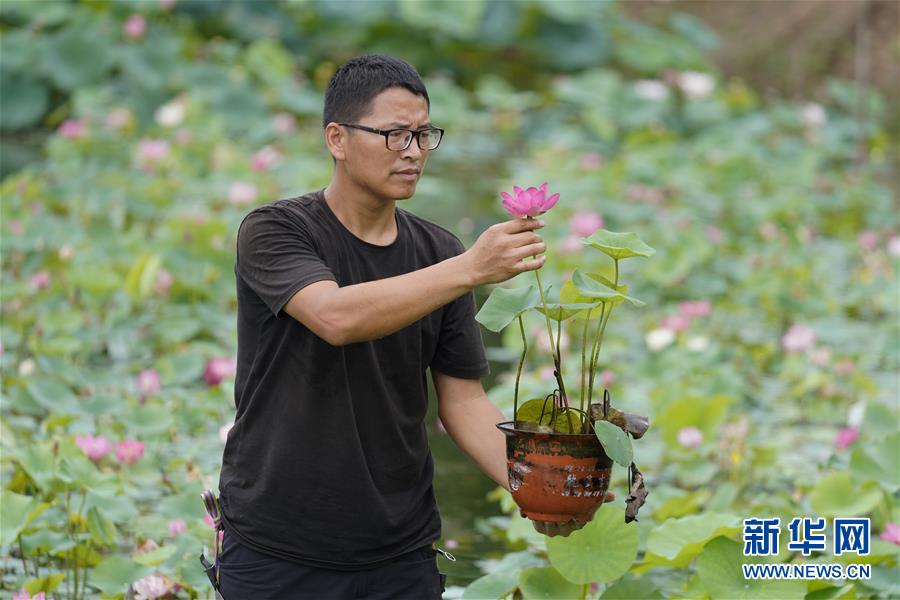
(560, 454)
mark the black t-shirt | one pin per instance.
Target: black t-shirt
(328, 460)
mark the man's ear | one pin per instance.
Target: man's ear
(335, 139)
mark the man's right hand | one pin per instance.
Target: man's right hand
(502, 251)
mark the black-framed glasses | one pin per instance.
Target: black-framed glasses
(400, 139)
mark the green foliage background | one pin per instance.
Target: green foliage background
(777, 218)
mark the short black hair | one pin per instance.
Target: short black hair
(353, 87)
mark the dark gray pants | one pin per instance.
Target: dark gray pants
(247, 574)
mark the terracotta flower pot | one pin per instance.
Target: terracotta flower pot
(556, 477)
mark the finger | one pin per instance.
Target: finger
(519, 225)
(531, 265)
(525, 237)
(531, 249)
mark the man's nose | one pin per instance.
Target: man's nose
(413, 151)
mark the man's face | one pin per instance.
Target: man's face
(388, 174)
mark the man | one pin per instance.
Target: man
(344, 302)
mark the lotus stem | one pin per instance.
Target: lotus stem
(519, 370)
(584, 357)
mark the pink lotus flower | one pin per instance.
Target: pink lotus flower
(607, 378)
(177, 526)
(94, 447)
(152, 587)
(868, 240)
(591, 161)
(118, 118)
(696, 308)
(284, 123)
(546, 373)
(676, 323)
(584, 224)
(242, 193)
(714, 234)
(451, 544)
(164, 281)
(39, 280)
(24, 595)
(148, 383)
(845, 437)
(223, 432)
(799, 338)
(529, 202)
(167, 4)
(891, 533)
(129, 451)
(690, 437)
(265, 159)
(135, 27)
(71, 129)
(893, 246)
(845, 366)
(15, 227)
(151, 151)
(217, 369)
(569, 245)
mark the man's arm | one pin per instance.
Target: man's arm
(374, 309)
(470, 419)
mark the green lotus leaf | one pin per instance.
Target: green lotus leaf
(18, 511)
(879, 462)
(719, 568)
(628, 588)
(594, 289)
(602, 551)
(491, 586)
(546, 583)
(836, 495)
(618, 245)
(677, 541)
(505, 304)
(562, 311)
(616, 442)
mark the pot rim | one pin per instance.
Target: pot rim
(508, 428)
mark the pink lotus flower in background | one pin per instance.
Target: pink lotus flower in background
(177, 526)
(569, 245)
(118, 118)
(152, 587)
(208, 520)
(39, 280)
(148, 383)
(675, 323)
(546, 373)
(799, 338)
(150, 151)
(172, 113)
(893, 246)
(529, 202)
(583, 224)
(891, 533)
(241, 193)
(223, 432)
(135, 27)
(868, 240)
(265, 159)
(690, 437)
(591, 161)
(72, 129)
(695, 308)
(129, 451)
(451, 544)
(164, 281)
(15, 227)
(94, 447)
(284, 123)
(217, 369)
(845, 436)
(845, 366)
(714, 234)
(24, 595)
(607, 378)
(167, 4)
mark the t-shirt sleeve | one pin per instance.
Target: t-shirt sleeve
(460, 349)
(276, 257)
